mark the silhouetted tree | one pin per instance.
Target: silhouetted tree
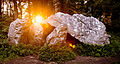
(20, 7)
(0, 7)
(10, 8)
(29, 9)
(58, 5)
(15, 9)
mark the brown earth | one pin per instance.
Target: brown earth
(79, 60)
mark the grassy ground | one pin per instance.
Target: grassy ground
(59, 53)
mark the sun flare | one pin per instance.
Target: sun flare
(38, 19)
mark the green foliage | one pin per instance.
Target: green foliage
(6, 52)
(116, 63)
(78, 6)
(56, 53)
(60, 52)
(12, 51)
(112, 49)
(4, 26)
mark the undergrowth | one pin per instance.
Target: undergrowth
(57, 53)
(60, 52)
(110, 50)
(4, 26)
(13, 51)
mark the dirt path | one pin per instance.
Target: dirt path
(93, 60)
(78, 60)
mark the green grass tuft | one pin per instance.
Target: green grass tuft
(56, 53)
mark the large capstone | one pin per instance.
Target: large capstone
(58, 35)
(88, 30)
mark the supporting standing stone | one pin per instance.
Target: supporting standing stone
(22, 31)
(58, 35)
(15, 30)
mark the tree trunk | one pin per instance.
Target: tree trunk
(15, 9)
(7, 8)
(10, 9)
(52, 7)
(58, 5)
(0, 7)
(29, 10)
(20, 9)
(66, 6)
(3, 7)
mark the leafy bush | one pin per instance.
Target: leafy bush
(116, 63)
(4, 26)
(25, 50)
(56, 53)
(7, 52)
(112, 49)
(12, 51)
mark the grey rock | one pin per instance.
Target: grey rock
(15, 30)
(88, 30)
(58, 35)
(21, 31)
(37, 35)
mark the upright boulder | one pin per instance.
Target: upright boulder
(32, 34)
(86, 29)
(23, 31)
(15, 30)
(58, 35)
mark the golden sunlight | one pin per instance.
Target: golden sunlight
(38, 19)
(73, 46)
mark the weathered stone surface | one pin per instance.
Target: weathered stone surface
(58, 35)
(37, 35)
(21, 31)
(86, 29)
(15, 30)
